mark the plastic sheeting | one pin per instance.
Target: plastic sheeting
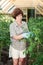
(7, 6)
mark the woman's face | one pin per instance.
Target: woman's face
(19, 17)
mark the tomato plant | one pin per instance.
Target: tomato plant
(34, 48)
(5, 21)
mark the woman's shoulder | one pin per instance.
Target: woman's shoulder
(13, 23)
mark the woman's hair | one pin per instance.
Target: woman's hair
(16, 12)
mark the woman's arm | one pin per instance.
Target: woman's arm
(17, 37)
(23, 35)
(13, 34)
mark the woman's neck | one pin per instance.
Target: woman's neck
(19, 22)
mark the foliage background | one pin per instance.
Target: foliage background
(35, 48)
(5, 21)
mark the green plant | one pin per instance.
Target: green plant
(36, 26)
(5, 21)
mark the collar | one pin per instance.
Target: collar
(17, 23)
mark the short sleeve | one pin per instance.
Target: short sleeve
(12, 31)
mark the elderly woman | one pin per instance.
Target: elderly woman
(18, 32)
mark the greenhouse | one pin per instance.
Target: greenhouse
(33, 16)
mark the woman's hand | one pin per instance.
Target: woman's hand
(28, 34)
